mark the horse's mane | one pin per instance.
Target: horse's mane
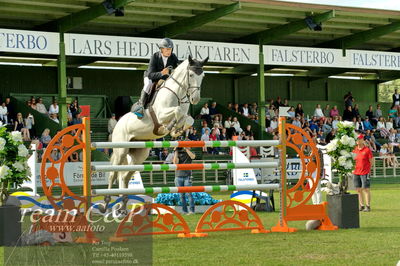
(183, 65)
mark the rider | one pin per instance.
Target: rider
(159, 68)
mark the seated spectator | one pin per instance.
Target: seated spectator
(330, 136)
(318, 112)
(245, 110)
(236, 125)
(320, 137)
(389, 158)
(33, 103)
(348, 114)
(40, 106)
(296, 122)
(326, 111)
(367, 124)
(217, 122)
(214, 137)
(216, 129)
(30, 125)
(213, 111)
(205, 127)
(248, 131)
(327, 126)
(205, 113)
(314, 125)
(55, 155)
(229, 106)
(348, 100)
(392, 136)
(3, 113)
(193, 134)
(370, 138)
(335, 122)
(230, 130)
(285, 103)
(381, 127)
(112, 122)
(77, 119)
(359, 125)
(20, 126)
(389, 124)
(370, 114)
(170, 158)
(69, 114)
(228, 122)
(54, 118)
(306, 128)
(254, 109)
(45, 138)
(356, 111)
(274, 124)
(299, 110)
(223, 135)
(205, 137)
(378, 111)
(291, 112)
(278, 103)
(54, 109)
(271, 112)
(236, 108)
(334, 112)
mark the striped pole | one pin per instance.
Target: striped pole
(170, 144)
(174, 167)
(156, 190)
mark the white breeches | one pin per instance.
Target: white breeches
(147, 83)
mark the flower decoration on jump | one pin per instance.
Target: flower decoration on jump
(14, 169)
(340, 149)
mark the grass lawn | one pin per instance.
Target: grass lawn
(377, 242)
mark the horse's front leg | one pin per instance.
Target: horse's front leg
(184, 123)
(171, 116)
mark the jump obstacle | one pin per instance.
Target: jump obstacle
(223, 216)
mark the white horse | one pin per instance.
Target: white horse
(167, 115)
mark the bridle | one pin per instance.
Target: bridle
(190, 90)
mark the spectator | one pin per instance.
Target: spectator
(274, 125)
(205, 127)
(291, 112)
(205, 113)
(367, 124)
(348, 114)
(334, 112)
(356, 111)
(299, 110)
(193, 134)
(74, 108)
(229, 106)
(54, 118)
(10, 109)
(389, 124)
(392, 136)
(378, 111)
(214, 137)
(254, 109)
(183, 178)
(112, 122)
(381, 127)
(40, 106)
(271, 111)
(285, 103)
(55, 155)
(228, 122)
(236, 108)
(205, 137)
(327, 127)
(77, 119)
(370, 113)
(45, 138)
(359, 126)
(330, 136)
(33, 103)
(335, 122)
(217, 122)
(348, 99)
(163, 154)
(245, 110)
(248, 131)
(318, 112)
(327, 110)
(20, 126)
(393, 113)
(314, 124)
(213, 111)
(370, 138)
(223, 135)
(30, 125)
(396, 100)
(236, 125)
(216, 129)
(296, 122)
(3, 113)
(54, 109)
(384, 152)
(278, 103)
(69, 114)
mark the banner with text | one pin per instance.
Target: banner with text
(143, 48)
(33, 42)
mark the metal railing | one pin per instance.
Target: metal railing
(381, 169)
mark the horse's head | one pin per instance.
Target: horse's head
(195, 77)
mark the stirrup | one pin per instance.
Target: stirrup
(138, 114)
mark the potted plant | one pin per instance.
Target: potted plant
(14, 170)
(342, 206)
